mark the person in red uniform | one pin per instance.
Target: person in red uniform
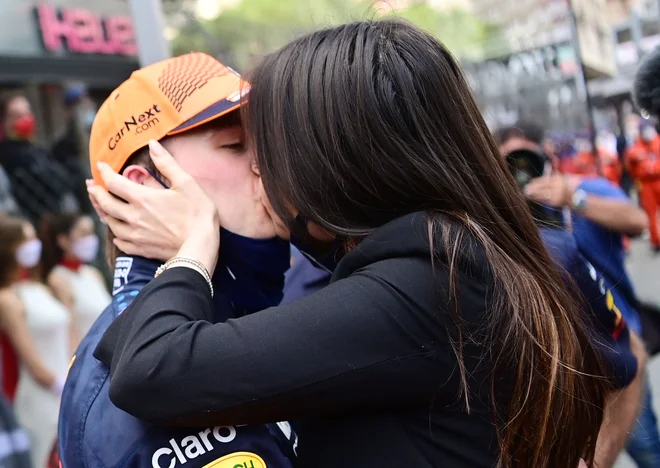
(584, 162)
(643, 163)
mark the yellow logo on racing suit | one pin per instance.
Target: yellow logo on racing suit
(238, 460)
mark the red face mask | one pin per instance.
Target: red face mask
(25, 127)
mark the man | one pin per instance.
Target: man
(643, 163)
(303, 278)
(598, 214)
(190, 104)
(70, 148)
(39, 184)
(584, 163)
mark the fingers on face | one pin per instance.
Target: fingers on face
(126, 247)
(109, 205)
(120, 229)
(165, 163)
(101, 214)
(119, 185)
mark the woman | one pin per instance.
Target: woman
(70, 244)
(445, 339)
(37, 326)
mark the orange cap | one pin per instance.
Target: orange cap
(162, 99)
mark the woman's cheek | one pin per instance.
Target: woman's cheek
(280, 228)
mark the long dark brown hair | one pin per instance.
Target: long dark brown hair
(52, 226)
(12, 234)
(360, 124)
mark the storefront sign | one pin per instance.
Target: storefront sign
(83, 32)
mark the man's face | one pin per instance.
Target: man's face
(17, 109)
(218, 159)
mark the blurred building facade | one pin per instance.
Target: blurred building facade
(47, 44)
(635, 32)
(533, 71)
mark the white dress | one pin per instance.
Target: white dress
(90, 297)
(37, 408)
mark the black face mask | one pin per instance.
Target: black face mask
(323, 255)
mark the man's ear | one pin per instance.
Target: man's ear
(137, 174)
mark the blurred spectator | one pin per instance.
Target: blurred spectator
(70, 149)
(37, 325)
(70, 244)
(586, 164)
(599, 214)
(15, 448)
(524, 134)
(8, 203)
(69, 145)
(39, 184)
(643, 163)
(622, 143)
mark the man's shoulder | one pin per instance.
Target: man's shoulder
(561, 245)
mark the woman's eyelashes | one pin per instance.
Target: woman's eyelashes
(237, 147)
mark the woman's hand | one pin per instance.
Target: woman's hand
(156, 223)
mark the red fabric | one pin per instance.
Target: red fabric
(9, 368)
(643, 163)
(612, 169)
(54, 458)
(584, 163)
(73, 265)
(643, 160)
(649, 196)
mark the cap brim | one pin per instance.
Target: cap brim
(212, 112)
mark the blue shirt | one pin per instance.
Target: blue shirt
(604, 250)
(94, 433)
(610, 333)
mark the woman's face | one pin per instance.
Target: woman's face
(28, 252)
(281, 230)
(29, 232)
(81, 243)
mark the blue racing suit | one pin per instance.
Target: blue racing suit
(94, 433)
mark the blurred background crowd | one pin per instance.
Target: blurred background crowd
(565, 65)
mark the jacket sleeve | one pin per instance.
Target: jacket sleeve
(358, 343)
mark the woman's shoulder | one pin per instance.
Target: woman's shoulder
(429, 241)
(94, 274)
(57, 279)
(9, 298)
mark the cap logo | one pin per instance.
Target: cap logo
(186, 75)
(136, 124)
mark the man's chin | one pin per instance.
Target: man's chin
(266, 229)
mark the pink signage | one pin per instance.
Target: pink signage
(83, 32)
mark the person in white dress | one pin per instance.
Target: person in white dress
(37, 325)
(70, 244)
